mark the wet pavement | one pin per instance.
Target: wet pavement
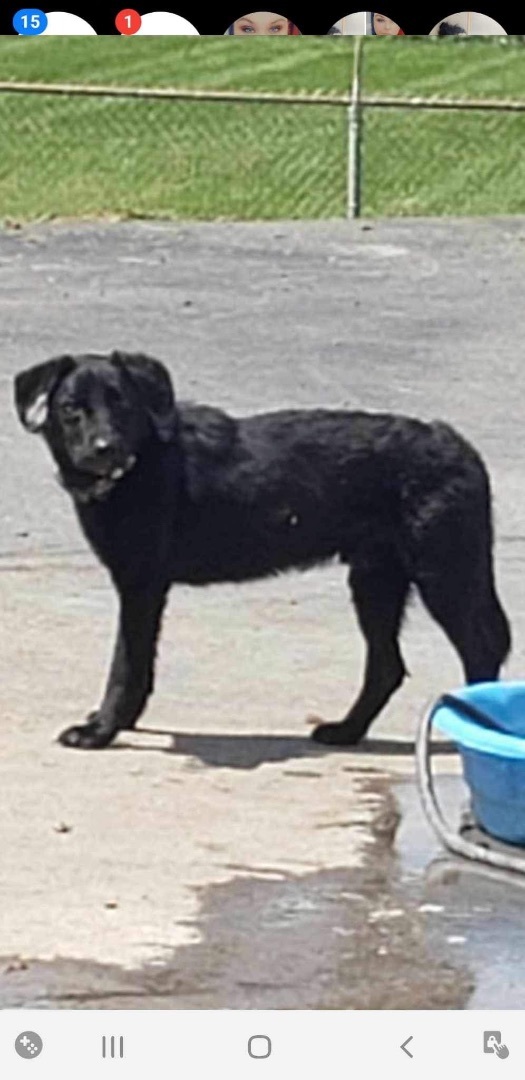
(412, 929)
(475, 910)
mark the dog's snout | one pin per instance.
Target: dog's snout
(106, 452)
(103, 446)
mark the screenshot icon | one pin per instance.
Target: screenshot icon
(492, 1044)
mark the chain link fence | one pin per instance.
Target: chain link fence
(429, 161)
(95, 151)
(75, 154)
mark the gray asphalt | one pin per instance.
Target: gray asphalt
(421, 317)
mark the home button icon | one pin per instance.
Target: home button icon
(259, 1046)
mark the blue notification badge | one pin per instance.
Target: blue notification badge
(29, 21)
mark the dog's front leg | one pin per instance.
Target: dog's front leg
(131, 675)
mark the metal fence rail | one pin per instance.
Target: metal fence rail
(78, 150)
(181, 94)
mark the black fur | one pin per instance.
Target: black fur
(447, 29)
(185, 493)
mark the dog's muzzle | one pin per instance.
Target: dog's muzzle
(97, 489)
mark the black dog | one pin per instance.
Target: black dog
(168, 492)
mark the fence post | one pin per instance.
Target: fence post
(354, 137)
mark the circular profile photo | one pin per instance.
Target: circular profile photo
(262, 22)
(367, 22)
(164, 22)
(64, 23)
(467, 22)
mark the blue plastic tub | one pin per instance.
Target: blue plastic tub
(493, 757)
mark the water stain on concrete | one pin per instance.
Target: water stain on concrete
(410, 929)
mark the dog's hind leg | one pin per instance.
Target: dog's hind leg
(463, 600)
(131, 675)
(380, 592)
(450, 542)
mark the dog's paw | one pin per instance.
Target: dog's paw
(334, 735)
(90, 736)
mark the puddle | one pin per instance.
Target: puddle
(333, 940)
(481, 908)
(411, 929)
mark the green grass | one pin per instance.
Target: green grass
(207, 63)
(438, 163)
(465, 67)
(74, 157)
(443, 163)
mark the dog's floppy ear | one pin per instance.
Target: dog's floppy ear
(33, 388)
(154, 385)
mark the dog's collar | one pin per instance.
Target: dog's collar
(100, 487)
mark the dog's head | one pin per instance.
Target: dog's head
(97, 413)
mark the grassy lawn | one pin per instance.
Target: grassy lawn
(206, 63)
(83, 157)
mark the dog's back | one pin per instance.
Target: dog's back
(296, 487)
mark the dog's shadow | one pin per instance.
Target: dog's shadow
(250, 751)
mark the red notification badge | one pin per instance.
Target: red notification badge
(128, 21)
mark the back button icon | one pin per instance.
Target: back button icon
(404, 1046)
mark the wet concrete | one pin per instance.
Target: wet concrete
(477, 910)
(411, 929)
